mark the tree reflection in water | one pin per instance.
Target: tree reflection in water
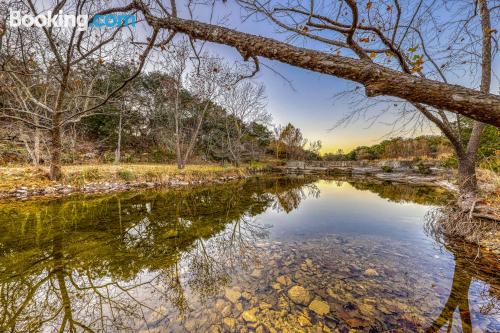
(470, 266)
(103, 264)
(137, 260)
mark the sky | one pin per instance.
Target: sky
(307, 99)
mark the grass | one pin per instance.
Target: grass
(13, 177)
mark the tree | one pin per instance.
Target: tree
(386, 52)
(376, 78)
(244, 104)
(184, 94)
(293, 141)
(50, 72)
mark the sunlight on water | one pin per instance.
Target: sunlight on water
(273, 254)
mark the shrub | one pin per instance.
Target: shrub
(450, 162)
(491, 163)
(151, 176)
(387, 168)
(423, 169)
(91, 174)
(126, 175)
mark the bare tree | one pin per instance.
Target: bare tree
(50, 71)
(244, 104)
(189, 88)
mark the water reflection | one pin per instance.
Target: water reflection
(170, 261)
(469, 268)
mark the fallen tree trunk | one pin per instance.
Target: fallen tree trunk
(376, 79)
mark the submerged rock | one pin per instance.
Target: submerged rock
(250, 315)
(299, 295)
(232, 295)
(303, 321)
(370, 272)
(230, 323)
(320, 307)
(284, 280)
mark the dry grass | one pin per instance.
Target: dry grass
(489, 183)
(451, 222)
(77, 175)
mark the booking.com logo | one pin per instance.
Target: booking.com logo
(81, 22)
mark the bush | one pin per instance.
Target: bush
(450, 162)
(151, 176)
(91, 174)
(126, 175)
(423, 169)
(387, 168)
(491, 163)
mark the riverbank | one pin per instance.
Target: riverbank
(22, 182)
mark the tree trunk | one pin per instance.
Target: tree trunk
(55, 148)
(467, 181)
(36, 147)
(119, 142)
(378, 80)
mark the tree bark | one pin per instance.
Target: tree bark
(119, 142)
(55, 147)
(378, 80)
(467, 181)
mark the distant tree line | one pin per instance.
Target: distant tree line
(425, 146)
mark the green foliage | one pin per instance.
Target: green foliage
(415, 148)
(450, 162)
(387, 168)
(423, 169)
(491, 163)
(126, 175)
(490, 138)
(91, 174)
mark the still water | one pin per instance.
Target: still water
(270, 254)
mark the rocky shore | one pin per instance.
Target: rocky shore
(61, 190)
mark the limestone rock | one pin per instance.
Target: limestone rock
(230, 323)
(299, 295)
(320, 307)
(284, 280)
(303, 321)
(232, 295)
(370, 272)
(250, 315)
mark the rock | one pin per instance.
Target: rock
(219, 304)
(320, 307)
(232, 295)
(284, 280)
(256, 273)
(299, 295)
(190, 325)
(238, 308)
(215, 329)
(250, 315)
(370, 272)
(226, 311)
(276, 286)
(265, 306)
(366, 309)
(303, 321)
(230, 323)
(246, 295)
